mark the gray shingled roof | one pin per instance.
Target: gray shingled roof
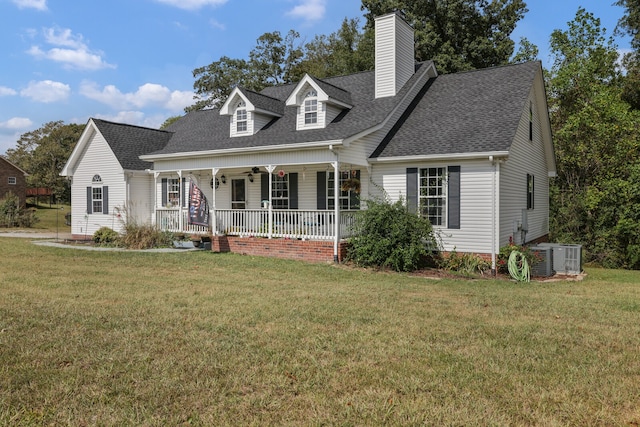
(263, 102)
(128, 142)
(333, 92)
(468, 112)
(207, 130)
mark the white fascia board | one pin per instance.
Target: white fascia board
(265, 112)
(429, 71)
(82, 142)
(226, 108)
(339, 103)
(430, 157)
(245, 150)
(293, 98)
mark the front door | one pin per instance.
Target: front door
(238, 194)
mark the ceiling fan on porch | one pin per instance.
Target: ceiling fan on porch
(254, 170)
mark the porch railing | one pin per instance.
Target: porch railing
(294, 224)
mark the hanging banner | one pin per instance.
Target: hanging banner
(198, 206)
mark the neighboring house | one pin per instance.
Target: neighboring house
(12, 180)
(471, 151)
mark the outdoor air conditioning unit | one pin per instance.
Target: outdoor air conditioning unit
(544, 265)
(567, 259)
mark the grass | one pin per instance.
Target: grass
(50, 218)
(197, 338)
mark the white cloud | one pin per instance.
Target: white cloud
(216, 24)
(7, 91)
(192, 4)
(70, 50)
(147, 95)
(31, 4)
(16, 123)
(309, 10)
(46, 91)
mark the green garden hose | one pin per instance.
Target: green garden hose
(519, 267)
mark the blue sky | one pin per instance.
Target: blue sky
(131, 61)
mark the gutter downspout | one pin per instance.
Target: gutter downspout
(495, 192)
(336, 205)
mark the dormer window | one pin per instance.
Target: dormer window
(311, 108)
(241, 117)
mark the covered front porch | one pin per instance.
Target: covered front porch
(269, 223)
(310, 202)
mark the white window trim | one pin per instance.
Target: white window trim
(12, 180)
(173, 188)
(345, 196)
(440, 188)
(280, 192)
(95, 199)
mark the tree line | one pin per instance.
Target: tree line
(593, 95)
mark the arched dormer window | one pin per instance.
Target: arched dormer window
(241, 117)
(311, 107)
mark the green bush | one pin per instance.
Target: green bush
(105, 236)
(13, 215)
(505, 252)
(144, 236)
(465, 263)
(388, 236)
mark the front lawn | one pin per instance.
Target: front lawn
(198, 338)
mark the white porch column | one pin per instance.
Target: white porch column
(214, 219)
(154, 213)
(336, 222)
(180, 199)
(270, 169)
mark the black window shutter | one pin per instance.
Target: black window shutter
(453, 220)
(183, 193)
(264, 187)
(412, 190)
(89, 200)
(354, 197)
(321, 191)
(293, 190)
(105, 200)
(164, 192)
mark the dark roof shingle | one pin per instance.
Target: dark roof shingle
(128, 142)
(468, 112)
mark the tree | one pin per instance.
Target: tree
(170, 121)
(630, 24)
(42, 153)
(271, 62)
(457, 34)
(595, 198)
(345, 51)
(526, 52)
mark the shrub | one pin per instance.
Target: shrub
(105, 236)
(505, 252)
(387, 235)
(465, 263)
(14, 215)
(144, 236)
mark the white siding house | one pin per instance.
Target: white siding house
(471, 151)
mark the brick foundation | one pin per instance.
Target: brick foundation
(305, 250)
